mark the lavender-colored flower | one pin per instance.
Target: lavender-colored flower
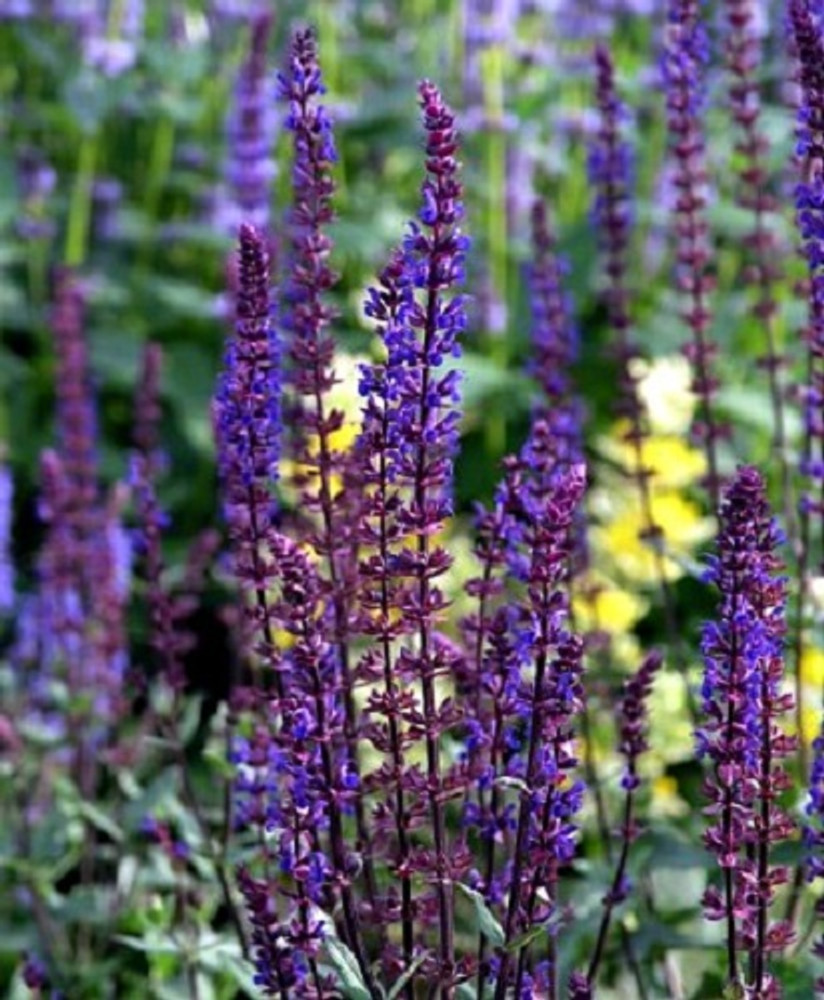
(810, 217)
(324, 472)
(237, 10)
(37, 180)
(76, 416)
(107, 197)
(556, 438)
(83, 13)
(248, 427)
(741, 701)
(411, 430)
(546, 701)
(746, 23)
(307, 316)
(610, 174)
(110, 43)
(554, 338)
(683, 59)
(250, 135)
(16, 10)
(147, 462)
(35, 973)
(82, 598)
(7, 594)
(813, 833)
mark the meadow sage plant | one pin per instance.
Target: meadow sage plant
(452, 752)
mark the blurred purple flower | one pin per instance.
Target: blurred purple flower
(7, 593)
(11, 10)
(250, 136)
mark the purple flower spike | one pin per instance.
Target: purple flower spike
(248, 426)
(250, 135)
(610, 174)
(742, 701)
(684, 56)
(409, 437)
(324, 472)
(547, 702)
(809, 197)
(633, 715)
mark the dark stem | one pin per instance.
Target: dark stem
(535, 730)
(407, 925)
(763, 851)
(434, 780)
(615, 889)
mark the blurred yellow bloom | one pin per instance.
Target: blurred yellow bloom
(810, 724)
(812, 667)
(671, 462)
(619, 535)
(600, 604)
(664, 389)
(344, 397)
(671, 733)
(665, 798)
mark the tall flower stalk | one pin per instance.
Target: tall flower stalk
(740, 734)
(322, 475)
(248, 427)
(422, 442)
(762, 263)
(684, 56)
(809, 201)
(610, 168)
(546, 702)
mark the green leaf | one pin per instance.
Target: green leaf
(100, 821)
(407, 975)
(345, 965)
(150, 944)
(507, 781)
(486, 921)
(526, 939)
(342, 959)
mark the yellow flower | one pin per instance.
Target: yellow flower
(600, 604)
(671, 462)
(619, 537)
(344, 397)
(664, 390)
(810, 724)
(812, 667)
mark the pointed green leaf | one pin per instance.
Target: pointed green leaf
(407, 975)
(486, 921)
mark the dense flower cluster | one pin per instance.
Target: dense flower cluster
(742, 701)
(247, 427)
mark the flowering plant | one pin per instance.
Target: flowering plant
(450, 751)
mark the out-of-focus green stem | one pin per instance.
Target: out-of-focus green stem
(457, 41)
(157, 172)
(37, 267)
(80, 204)
(493, 77)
